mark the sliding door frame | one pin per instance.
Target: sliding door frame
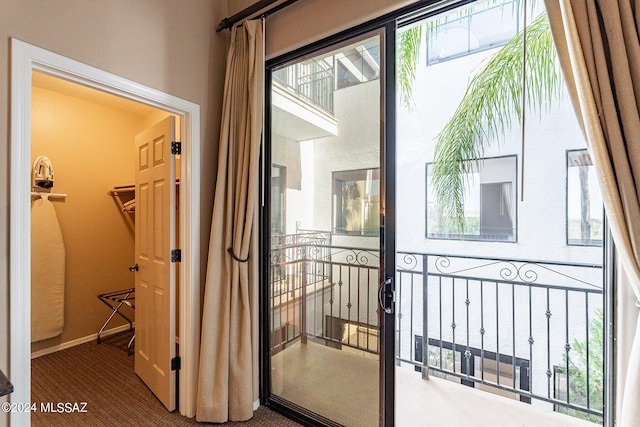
(388, 226)
(386, 32)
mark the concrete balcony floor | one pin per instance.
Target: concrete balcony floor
(343, 386)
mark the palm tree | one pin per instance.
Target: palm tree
(490, 106)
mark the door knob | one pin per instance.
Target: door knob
(134, 268)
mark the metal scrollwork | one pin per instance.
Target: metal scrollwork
(527, 273)
(509, 271)
(315, 252)
(442, 263)
(275, 258)
(357, 257)
(410, 261)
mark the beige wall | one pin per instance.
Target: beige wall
(170, 45)
(307, 21)
(91, 147)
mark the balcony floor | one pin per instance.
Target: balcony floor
(342, 385)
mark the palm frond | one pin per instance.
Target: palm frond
(410, 41)
(489, 108)
(408, 56)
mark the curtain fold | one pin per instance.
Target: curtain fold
(599, 50)
(227, 376)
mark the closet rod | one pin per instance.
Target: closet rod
(113, 191)
(227, 23)
(48, 195)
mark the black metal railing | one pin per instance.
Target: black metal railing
(312, 81)
(322, 291)
(520, 326)
(292, 270)
(514, 325)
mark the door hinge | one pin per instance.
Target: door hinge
(176, 255)
(176, 147)
(175, 363)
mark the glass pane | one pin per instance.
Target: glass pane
(356, 200)
(325, 232)
(489, 203)
(499, 297)
(584, 201)
(465, 33)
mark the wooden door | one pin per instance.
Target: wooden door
(155, 278)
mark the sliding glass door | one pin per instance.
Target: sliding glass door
(324, 244)
(409, 280)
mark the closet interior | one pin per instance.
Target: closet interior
(89, 136)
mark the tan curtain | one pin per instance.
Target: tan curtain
(599, 50)
(227, 376)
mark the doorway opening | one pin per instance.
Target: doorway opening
(27, 59)
(89, 137)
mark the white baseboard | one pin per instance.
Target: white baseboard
(256, 405)
(78, 341)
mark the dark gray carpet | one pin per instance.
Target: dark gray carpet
(102, 376)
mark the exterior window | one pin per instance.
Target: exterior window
(357, 65)
(490, 26)
(584, 201)
(356, 202)
(489, 204)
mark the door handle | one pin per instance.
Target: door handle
(134, 268)
(387, 295)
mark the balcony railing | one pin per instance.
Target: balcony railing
(525, 328)
(312, 81)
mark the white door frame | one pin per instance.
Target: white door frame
(25, 59)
